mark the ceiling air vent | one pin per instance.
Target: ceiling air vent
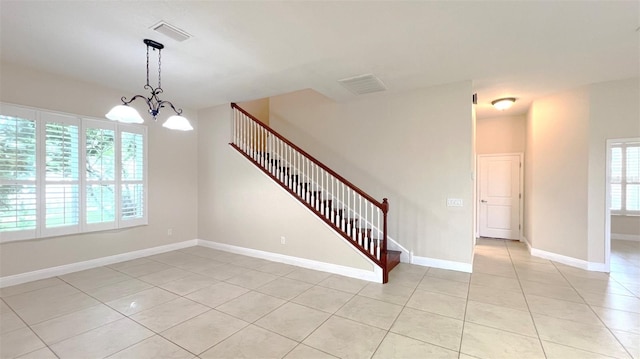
(363, 84)
(171, 31)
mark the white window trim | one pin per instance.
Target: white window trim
(83, 122)
(623, 144)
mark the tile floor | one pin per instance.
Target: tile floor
(202, 303)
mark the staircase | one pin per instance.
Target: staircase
(359, 218)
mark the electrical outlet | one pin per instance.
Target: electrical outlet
(170, 232)
(283, 240)
(454, 202)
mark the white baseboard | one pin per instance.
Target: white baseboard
(442, 264)
(566, 260)
(626, 237)
(372, 276)
(93, 263)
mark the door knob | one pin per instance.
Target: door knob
(483, 201)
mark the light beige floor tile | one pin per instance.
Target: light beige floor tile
(502, 298)
(545, 278)
(284, 288)
(630, 341)
(305, 352)
(172, 258)
(345, 338)
(345, 284)
(614, 301)
(279, 269)
(449, 275)
(411, 268)
(502, 318)
(55, 307)
(494, 281)
(410, 280)
(195, 264)
(538, 267)
(597, 339)
(389, 292)
(251, 262)
(562, 309)
(558, 351)
(30, 286)
(41, 296)
(204, 331)
(551, 291)
(438, 303)
(66, 326)
(485, 342)
(42, 353)
(165, 316)
(573, 272)
(308, 275)
(118, 290)
(165, 276)
(95, 277)
(326, 299)
(9, 321)
(251, 279)
(217, 294)
(444, 286)
(18, 342)
(586, 286)
(251, 306)
(618, 319)
(251, 342)
(398, 346)
(140, 269)
(293, 321)
(505, 270)
(370, 311)
(129, 263)
(431, 328)
(223, 272)
(153, 348)
(189, 284)
(140, 301)
(102, 341)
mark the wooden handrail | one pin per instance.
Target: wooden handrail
(384, 207)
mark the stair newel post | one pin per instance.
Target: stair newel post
(385, 210)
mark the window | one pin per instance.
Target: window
(625, 177)
(61, 174)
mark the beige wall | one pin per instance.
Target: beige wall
(626, 225)
(556, 170)
(500, 135)
(239, 205)
(416, 148)
(565, 165)
(257, 108)
(172, 176)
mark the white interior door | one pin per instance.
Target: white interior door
(499, 196)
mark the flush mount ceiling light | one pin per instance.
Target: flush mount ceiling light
(503, 103)
(126, 114)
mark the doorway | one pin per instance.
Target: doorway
(499, 186)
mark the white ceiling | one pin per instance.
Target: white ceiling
(246, 50)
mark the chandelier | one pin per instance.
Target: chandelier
(126, 114)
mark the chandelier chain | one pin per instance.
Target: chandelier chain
(147, 65)
(159, 66)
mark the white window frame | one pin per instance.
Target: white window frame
(41, 116)
(623, 144)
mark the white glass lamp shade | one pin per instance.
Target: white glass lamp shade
(503, 103)
(177, 123)
(124, 114)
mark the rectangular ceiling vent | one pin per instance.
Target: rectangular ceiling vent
(363, 84)
(171, 31)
